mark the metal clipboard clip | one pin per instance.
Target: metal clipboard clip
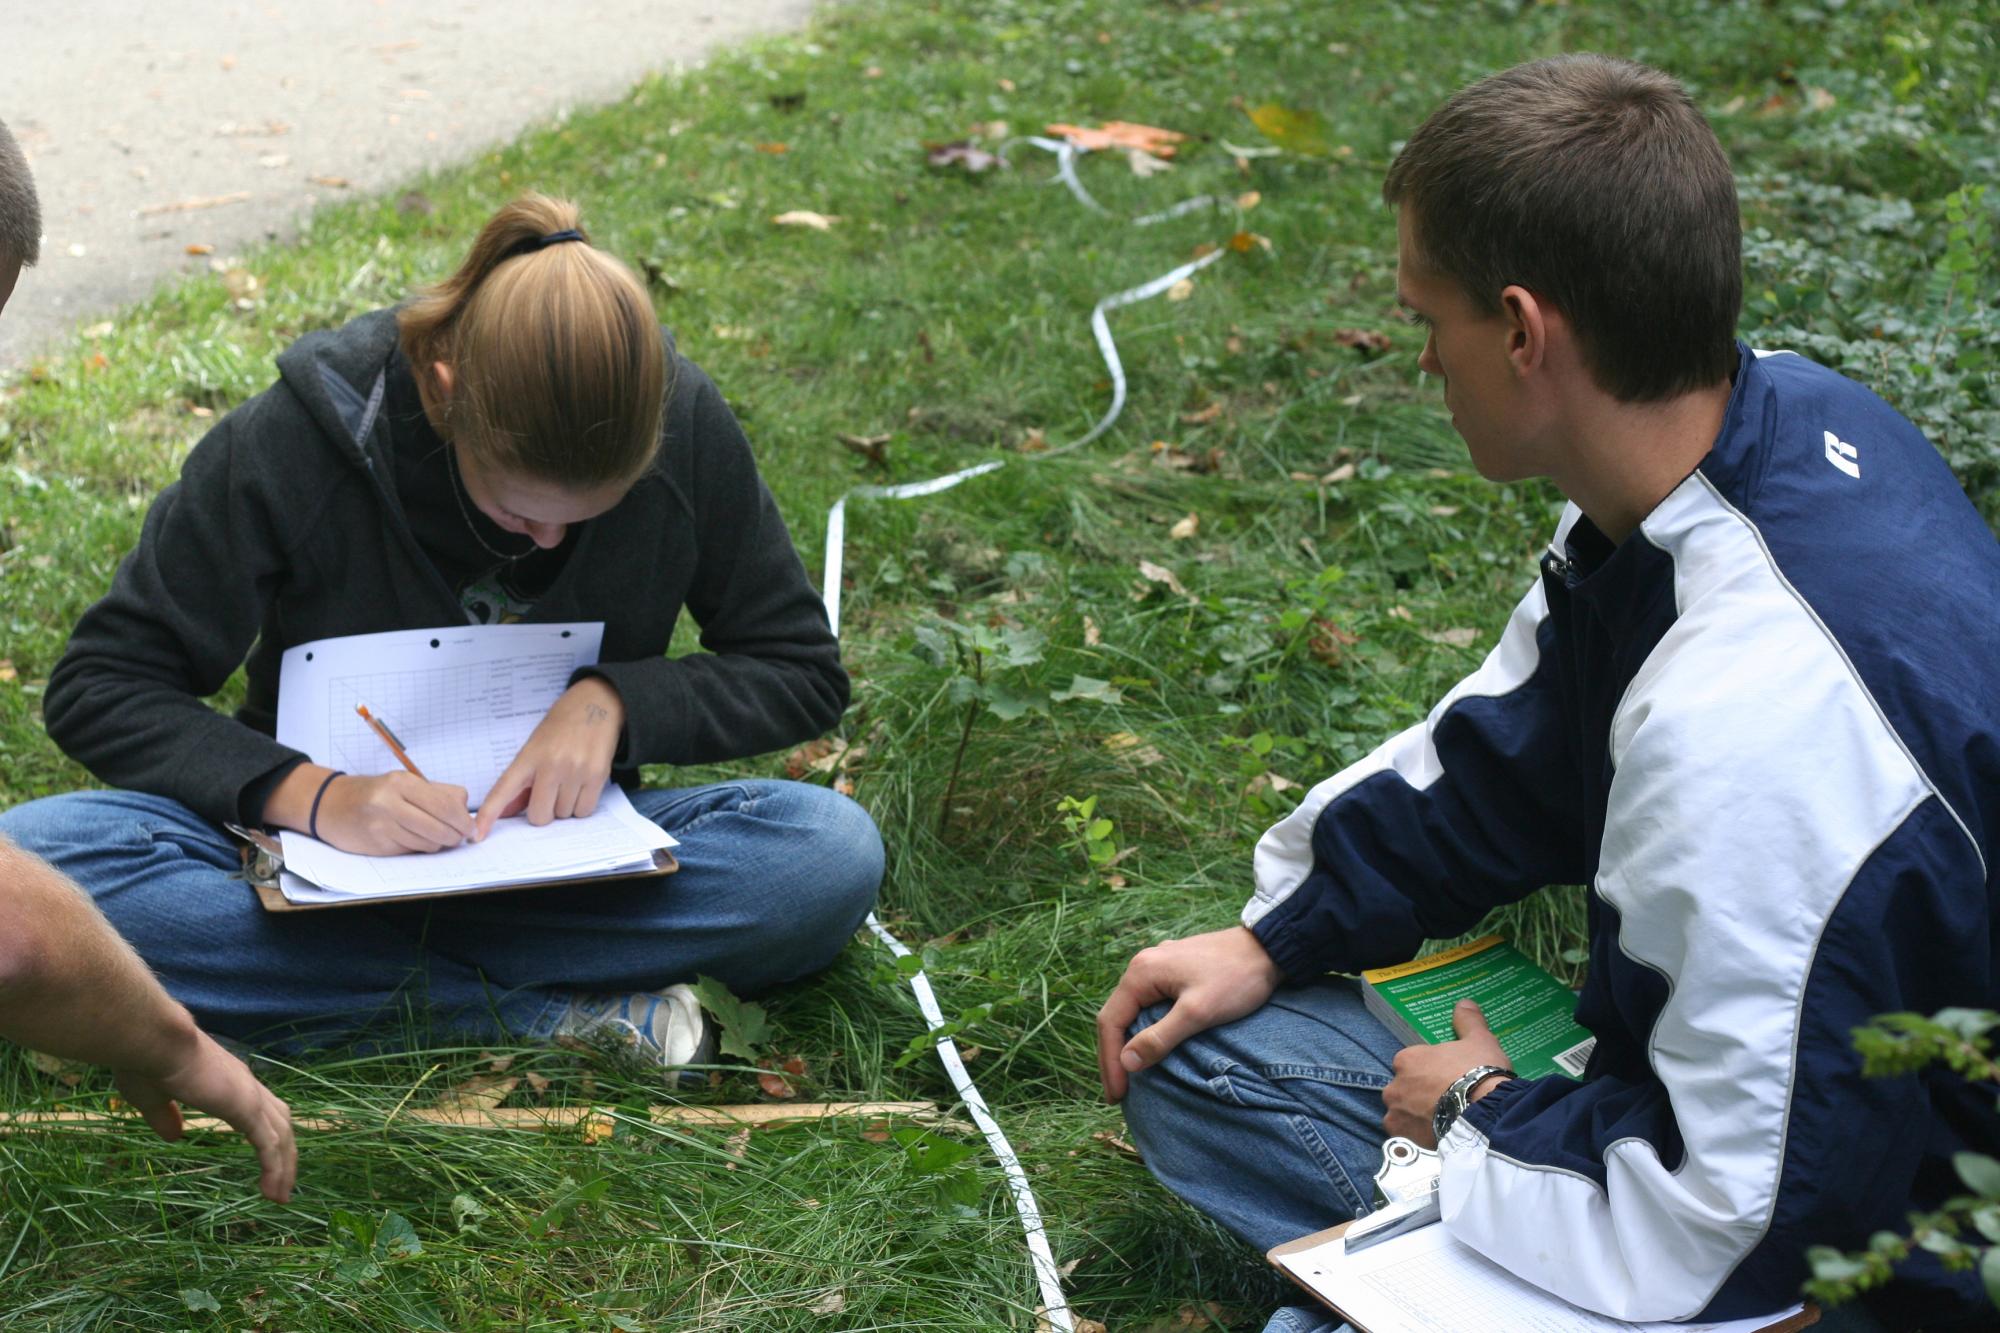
(1406, 1192)
(262, 857)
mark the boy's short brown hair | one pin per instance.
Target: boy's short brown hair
(20, 210)
(1596, 184)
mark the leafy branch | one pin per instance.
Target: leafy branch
(1964, 1232)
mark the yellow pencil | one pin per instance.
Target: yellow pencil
(389, 739)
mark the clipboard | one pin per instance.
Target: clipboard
(262, 860)
(1803, 1319)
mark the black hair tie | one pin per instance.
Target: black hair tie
(528, 245)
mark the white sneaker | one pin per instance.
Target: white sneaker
(662, 1027)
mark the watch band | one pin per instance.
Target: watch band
(1459, 1095)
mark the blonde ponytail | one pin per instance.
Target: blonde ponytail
(558, 366)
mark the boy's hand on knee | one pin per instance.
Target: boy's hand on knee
(1210, 980)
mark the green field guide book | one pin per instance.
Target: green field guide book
(1532, 1013)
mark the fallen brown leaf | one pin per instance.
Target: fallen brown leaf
(1181, 290)
(800, 217)
(737, 1145)
(1243, 242)
(192, 205)
(1034, 441)
(1248, 200)
(1368, 342)
(806, 756)
(481, 1092)
(1122, 134)
(776, 1080)
(1159, 573)
(1463, 637)
(1329, 642)
(774, 149)
(331, 182)
(1116, 1144)
(832, 1303)
(1185, 529)
(961, 153)
(871, 447)
(1092, 636)
(1203, 416)
(1145, 164)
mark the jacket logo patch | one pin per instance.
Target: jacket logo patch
(1843, 455)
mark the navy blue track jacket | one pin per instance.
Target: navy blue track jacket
(1765, 731)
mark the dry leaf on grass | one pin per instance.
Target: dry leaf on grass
(962, 153)
(800, 217)
(1270, 782)
(832, 1303)
(736, 1146)
(1329, 642)
(1144, 164)
(1122, 134)
(481, 1092)
(776, 1080)
(1368, 342)
(1456, 638)
(1034, 442)
(874, 448)
(774, 149)
(1163, 576)
(1202, 416)
(1092, 636)
(1177, 459)
(1116, 1144)
(1185, 529)
(1248, 200)
(1181, 290)
(7, 671)
(1243, 242)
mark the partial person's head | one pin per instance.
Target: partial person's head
(544, 365)
(1580, 189)
(20, 215)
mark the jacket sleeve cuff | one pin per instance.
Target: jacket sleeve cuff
(1294, 955)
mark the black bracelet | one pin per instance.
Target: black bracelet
(312, 820)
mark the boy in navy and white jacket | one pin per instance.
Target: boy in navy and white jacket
(1752, 701)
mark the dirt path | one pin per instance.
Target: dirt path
(152, 127)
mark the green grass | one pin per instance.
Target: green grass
(950, 312)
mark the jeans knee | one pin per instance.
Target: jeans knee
(840, 841)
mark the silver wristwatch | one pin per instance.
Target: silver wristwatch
(1459, 1096)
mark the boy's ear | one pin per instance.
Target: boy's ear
(1528, 329)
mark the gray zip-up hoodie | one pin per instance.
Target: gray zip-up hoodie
(285, 527)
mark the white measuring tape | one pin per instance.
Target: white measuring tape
(1055, 1309)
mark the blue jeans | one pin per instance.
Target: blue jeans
(774, 878)
(1272, 1125)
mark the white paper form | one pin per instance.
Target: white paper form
(1426, 1282)
(462, 700)
(613, 838)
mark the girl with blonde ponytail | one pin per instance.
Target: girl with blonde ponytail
(520, 442)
